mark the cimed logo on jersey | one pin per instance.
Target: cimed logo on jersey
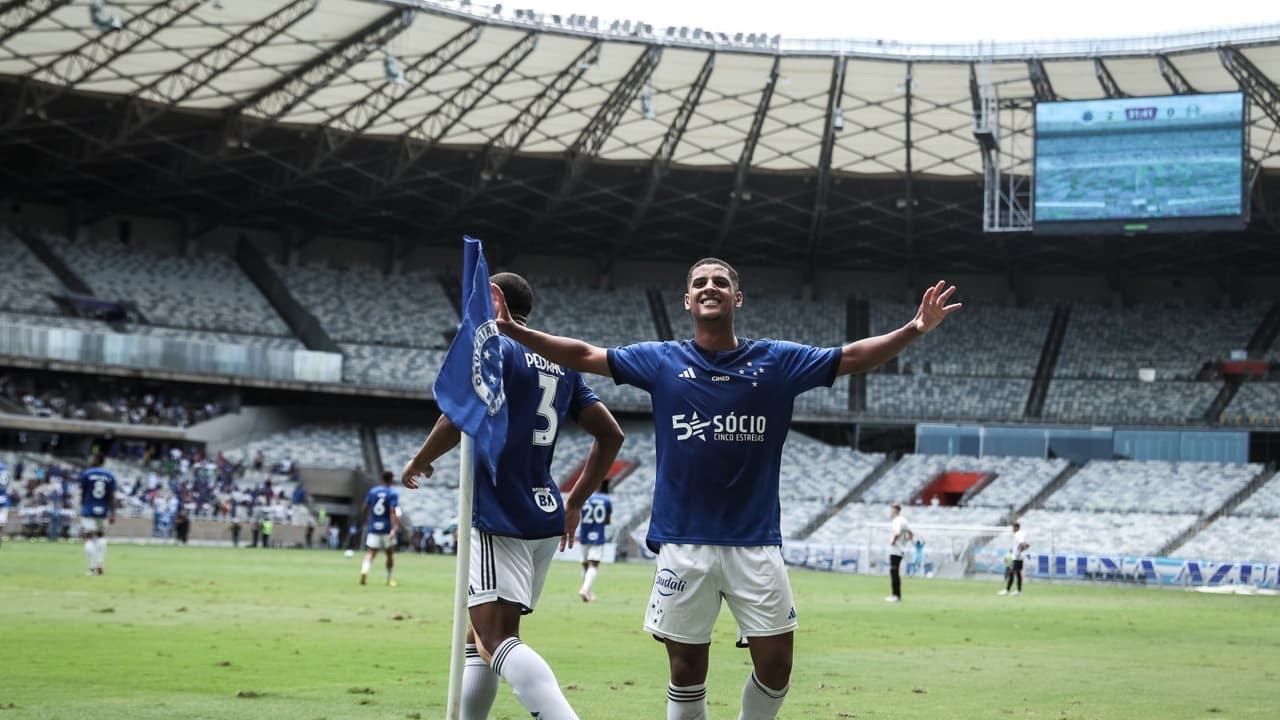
(486, 367)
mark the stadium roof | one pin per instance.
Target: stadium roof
(408, 119)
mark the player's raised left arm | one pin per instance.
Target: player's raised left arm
(870, 353)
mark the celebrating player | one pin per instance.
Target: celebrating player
(381, 515)
(597, 513)
(722, 407)
(518, 519)
(97, 511)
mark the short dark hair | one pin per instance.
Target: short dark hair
(1016, 524)
(733, 274)
(518, 293)
(387, 476)
(897, 506)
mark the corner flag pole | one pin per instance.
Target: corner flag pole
(461, 576)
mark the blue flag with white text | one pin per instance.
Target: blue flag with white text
(469, 387)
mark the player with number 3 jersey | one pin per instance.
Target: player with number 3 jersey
(519, 519)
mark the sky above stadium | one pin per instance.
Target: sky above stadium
(933, 21)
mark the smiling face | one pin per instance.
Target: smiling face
(712, 293)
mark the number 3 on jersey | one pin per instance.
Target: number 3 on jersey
(546, 409)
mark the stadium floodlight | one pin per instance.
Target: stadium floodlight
(394, 70)
(104, 22)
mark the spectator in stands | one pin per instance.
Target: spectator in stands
(1014, 569)
(899, 542)
(235, 533)
(256, 529)
(266, 531)
(182, 526)
(311, 531)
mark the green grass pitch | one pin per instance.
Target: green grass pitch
(221, 633)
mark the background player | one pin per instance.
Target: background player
(4, 500)
(900, 543)
(1014, 570)
(381, 515)
(97, 511)
(518, 520)
(722, 409)
(597, 513)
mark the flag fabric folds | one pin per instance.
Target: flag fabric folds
(469, 387)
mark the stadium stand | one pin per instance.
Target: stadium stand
(1112, 343)
(983, 340)
(319, 445)
(772, 314)
(926, 397)
(1129, 533)
(110, 400)
(28, 283)
(1130, 401)
(98, 327)
(1256, 403)
(207, 292)
(390, 366)
(816, 476)
(1016, 480)
(365, 306)
(867, 524)
(1250, 533)
(1195, 488)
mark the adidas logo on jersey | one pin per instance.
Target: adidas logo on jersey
(687, 374)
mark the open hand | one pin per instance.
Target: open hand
(572, 515)
(500, 312)
(412, 470)
(934, 307)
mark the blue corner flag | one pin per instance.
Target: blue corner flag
(469, 387)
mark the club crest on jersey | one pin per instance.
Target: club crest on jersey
(486, 367)
(545, 499)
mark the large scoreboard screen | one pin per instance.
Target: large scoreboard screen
(1149, 164)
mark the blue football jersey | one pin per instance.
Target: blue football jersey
(97, 492)
(595, 516)
(524, 501)
(721, 420)
(382, 501)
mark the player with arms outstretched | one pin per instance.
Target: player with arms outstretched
(722, 407)
(97, 512)
(597, 513)
(518, 519)
(381, 515)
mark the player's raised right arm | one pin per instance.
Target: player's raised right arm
(576, 354)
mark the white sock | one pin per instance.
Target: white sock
(479, 686)
(531, 678)
(589, 579)
(90, 550)
(102, 551)
(687, 703)
(364, 566)
(760, 702)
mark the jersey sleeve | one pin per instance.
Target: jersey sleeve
(636, 364)
(806, 367)
(583, 396)
(393, 499)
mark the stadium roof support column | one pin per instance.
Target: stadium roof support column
(587, 146)
(1177, 82)
(67, 71)
(738, 192)
(661, 163)
(167, 91)
(1040, 81)
(18, 15)
(1260, 88)
(418, 140)
(819, 216)
(1108, 83)
(502, 146)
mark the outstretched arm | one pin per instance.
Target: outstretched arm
(576, 354)
(442, 438)
(599, 422)
(870, 353)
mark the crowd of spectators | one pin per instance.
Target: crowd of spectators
(118, 400)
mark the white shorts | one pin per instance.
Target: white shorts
(93, 525)
(592, 553)
(691, 580)
(4, 515)
(379, 541)
(507, 569)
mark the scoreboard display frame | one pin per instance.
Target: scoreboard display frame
(1127, 165)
